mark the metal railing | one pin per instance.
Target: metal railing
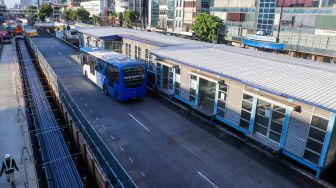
(110, 165)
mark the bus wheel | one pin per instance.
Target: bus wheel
(105, 90)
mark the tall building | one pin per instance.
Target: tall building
(140, 7)
(96, 8)
(175, 16)
(301, 28)
(73, 3)
(25, 3)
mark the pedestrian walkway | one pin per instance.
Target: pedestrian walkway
(14, 138)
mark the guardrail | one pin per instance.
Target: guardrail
(112, 168)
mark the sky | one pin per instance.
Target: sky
(10, 3)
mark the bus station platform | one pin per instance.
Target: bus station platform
(157, 145)
(14, 137)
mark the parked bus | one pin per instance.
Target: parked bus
(118, 76)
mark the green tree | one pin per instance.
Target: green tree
(129, 18)
(112, 17)
(73, 15)
(82, 14)
(41, 16)
(206, 27)
(67, 13)
(94, 19)
(46, 10)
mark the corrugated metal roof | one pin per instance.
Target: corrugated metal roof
(303, 81)
(143, 36)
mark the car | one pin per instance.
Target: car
(6, 40)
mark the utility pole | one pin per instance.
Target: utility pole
(280, 19)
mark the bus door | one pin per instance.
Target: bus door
(113, 81)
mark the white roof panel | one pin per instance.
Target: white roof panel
(306, 81)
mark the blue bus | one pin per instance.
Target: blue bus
(118, 76)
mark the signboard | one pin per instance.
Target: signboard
(323, 32)
(261, 38)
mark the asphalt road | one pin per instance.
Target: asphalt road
(160, 146)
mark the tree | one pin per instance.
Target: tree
(206, 27)
(67, 13)
(129, 17)
(46, 10)
(82, 14)
(95, 19)
(41, 16)
(113, 16)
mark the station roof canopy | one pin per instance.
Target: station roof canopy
(302, 80)
(152, 38)
(307, 82)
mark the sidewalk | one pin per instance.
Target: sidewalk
(13, 126)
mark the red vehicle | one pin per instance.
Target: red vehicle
(18, 30)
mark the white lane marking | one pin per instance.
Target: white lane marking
(139, 122)
(104, 127)
(69, 61)
(121, 148)
(60, 53)
(131, 160)
(207, 179)
(112, 137)
(97, 118)
(143, 174)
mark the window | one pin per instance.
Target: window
(177, 70)
(146, 54)
(139, 53)
(193, 77)
(222, 97)
(112, 75)
(134, 76)
(315, 139)
(177, 88)
(92, 64)
(128, 50)
(193, 87)
(246, 111)
(100, 65)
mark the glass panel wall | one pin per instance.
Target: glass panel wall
(246, 111)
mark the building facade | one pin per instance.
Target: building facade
(96, 8)
(175, 16)
(25, 3)
(303, 28)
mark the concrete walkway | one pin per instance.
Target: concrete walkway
(13, 126)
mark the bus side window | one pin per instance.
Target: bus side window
(100, 65)
(109, 74)
(83, 58)
(116, 75)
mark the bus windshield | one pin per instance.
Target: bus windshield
(134, 76)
